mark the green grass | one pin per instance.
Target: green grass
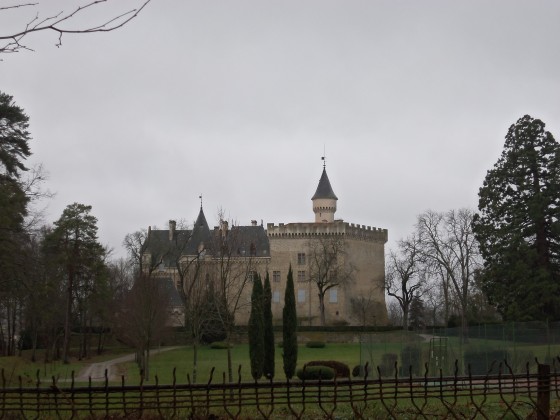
(14, 367)
(182, 359)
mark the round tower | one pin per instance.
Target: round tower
(324, 200)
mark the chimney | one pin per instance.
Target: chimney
(253, 223)
(224, 227)
(172, 225)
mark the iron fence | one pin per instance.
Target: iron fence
(498, 394)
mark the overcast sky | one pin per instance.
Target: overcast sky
(236, 100)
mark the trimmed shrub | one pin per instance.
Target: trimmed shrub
(341, 370)
(315, 372)
(219, 345)
(359, 371)
(315, 344)
(410, 358)
(387, 366)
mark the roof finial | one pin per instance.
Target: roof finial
(200, 196)
(324, 157)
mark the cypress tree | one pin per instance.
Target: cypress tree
(256, 329)
(289, 325)
(268, 368)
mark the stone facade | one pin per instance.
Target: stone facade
(355, 254)
(363, 252)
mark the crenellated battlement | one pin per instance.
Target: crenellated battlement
(338, 227)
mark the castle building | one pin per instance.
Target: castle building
(338, 267)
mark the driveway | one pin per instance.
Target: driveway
(97, 370)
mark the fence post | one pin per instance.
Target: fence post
(543, 393)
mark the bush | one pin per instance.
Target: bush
(315, 344)
(480, 360)
(220, 345)
(410, 358)
(387, 366)
(341, 370)
(359, 371)
(315, 372)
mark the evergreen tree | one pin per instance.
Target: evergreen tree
(268, 368)
(518, 226)
(256, 329)
(14, 138)
(73, 251)
(289, 326)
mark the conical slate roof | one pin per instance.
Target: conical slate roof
(200, 234)
(324, 189)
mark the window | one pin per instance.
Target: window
(251, 275)
(276, 296)
(301, 295)
(276, 276)
(301, 275)
(333, 295)
(301, 258)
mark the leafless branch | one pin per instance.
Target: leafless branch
(55, 23)
(17, 6)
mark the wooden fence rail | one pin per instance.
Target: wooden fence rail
(497, 395)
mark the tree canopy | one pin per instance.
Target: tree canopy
(14, 137)
(518, 224)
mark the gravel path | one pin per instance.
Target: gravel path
(97, 370)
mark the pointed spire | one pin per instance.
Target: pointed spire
(324, 189)
(201, 220)
(200, 235)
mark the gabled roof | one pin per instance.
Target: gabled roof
(324, 189)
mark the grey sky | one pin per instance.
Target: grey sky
(236, 100)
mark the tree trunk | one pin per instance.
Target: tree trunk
(195, 360)
(67, 318)
(322, 307)
(147, 364)
(229, 362)
(34, 339)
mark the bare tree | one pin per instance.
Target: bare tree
(135, 245)
(62, 22)
(447, 241)
(143, 316)
(394, 312)
(404, 278)
(363, 308)
(234, 270)
(198, 295)
(328, 267)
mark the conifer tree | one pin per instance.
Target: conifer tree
(289, 326)
(518, 226)
(256, 329)
(268, 368)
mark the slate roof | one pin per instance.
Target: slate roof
(243, 240)
(324, 189)
(248, 241)
(173, 294)
(200, 234)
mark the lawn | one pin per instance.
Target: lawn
(163, 364)
(14, 367)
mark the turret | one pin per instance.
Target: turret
(324, 200)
